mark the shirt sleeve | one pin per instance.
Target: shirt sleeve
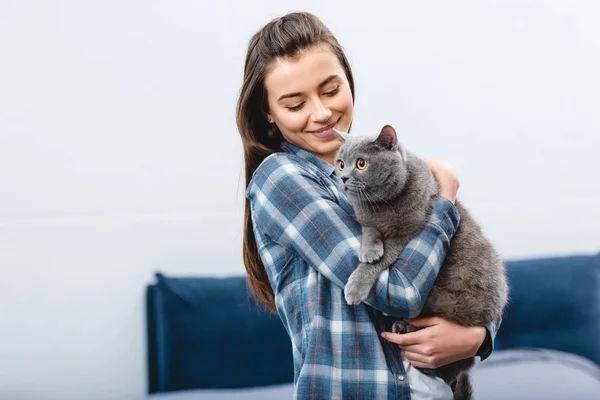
(487, 347)
(296, 210)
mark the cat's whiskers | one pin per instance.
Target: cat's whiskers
(376, 195)
(361, 202)
(368, 200)
(359, 198)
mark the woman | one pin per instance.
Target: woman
(301, 241)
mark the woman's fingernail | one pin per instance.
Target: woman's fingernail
(383, 335)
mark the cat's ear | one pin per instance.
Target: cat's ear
(389, 140)
(342, 135)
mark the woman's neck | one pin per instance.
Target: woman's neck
(327, 157)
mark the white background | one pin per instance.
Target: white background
(119, 153)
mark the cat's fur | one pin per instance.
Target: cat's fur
(393, 197)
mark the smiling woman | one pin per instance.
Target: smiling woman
(301, 241)
(308, 97)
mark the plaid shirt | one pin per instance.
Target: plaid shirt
(308, 241)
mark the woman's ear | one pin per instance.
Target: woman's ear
(269, 118)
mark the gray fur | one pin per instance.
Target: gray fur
(393, 197)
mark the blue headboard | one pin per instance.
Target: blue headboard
(210, 333)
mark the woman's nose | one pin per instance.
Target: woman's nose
(320, 112)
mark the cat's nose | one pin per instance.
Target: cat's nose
(344, 178)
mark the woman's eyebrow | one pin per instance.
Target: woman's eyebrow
(325, 82)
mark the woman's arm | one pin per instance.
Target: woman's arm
(442, 342)
(295, 209)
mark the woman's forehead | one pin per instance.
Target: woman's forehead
(305, 73)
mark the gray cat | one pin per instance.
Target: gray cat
(393, 193)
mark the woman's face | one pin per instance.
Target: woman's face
(308, 97)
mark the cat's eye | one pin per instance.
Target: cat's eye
(361, 164)
(340, 164)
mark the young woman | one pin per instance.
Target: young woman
(301, 241)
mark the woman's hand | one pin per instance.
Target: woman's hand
(440, 342)
(446, 176)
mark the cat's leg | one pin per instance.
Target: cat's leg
(364, 276)
(371, 246)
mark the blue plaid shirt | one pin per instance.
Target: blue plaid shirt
(308, 241)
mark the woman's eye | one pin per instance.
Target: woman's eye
(295, 108)
(361, 164)
(340, 165)
(333, 92)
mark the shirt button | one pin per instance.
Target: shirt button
(401, 377)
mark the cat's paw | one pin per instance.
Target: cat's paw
(403, 326)
(358, 287)
(372, 253)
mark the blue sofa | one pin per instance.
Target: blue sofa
(207, 338)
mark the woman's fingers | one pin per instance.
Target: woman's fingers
(422, 365)
(415, 357)
(417, 346)
(421, 361)
(404, 339)
(445, 174)
(421, 348)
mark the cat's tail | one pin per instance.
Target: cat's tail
(462, 388)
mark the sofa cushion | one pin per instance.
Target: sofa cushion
(209, 333)
(554, 303)
(524, 374)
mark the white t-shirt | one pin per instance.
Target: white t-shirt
(426, 387)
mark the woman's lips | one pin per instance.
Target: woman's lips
(325, 132)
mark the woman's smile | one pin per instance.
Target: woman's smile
(327, 131)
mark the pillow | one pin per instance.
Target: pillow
(209, 333)
(526, 374)
(554, 303)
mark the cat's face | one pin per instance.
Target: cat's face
(371, 170)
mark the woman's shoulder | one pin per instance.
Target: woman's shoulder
(285, 161)
(277, 168)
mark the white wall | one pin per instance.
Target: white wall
(119, 154)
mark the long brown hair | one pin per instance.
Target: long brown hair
(284, 37)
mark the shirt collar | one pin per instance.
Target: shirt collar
(324, 166)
